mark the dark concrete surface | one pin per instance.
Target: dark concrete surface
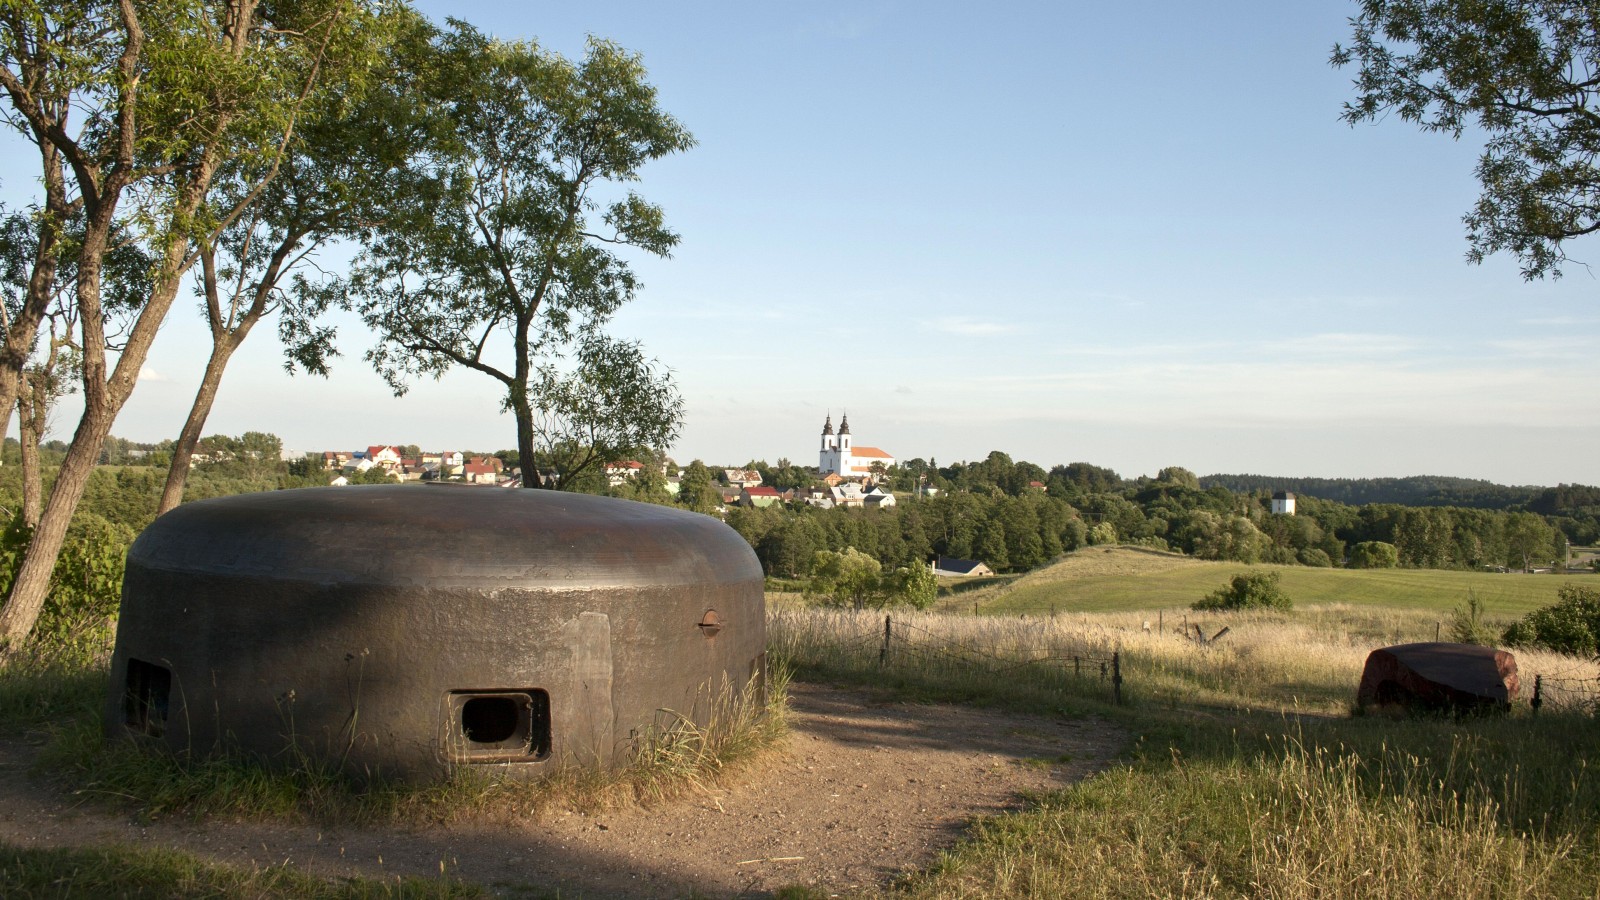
(400, 630)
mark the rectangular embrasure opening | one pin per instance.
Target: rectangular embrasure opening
(144, 703)
(500, 726)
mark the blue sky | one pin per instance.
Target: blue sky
(1132, 234)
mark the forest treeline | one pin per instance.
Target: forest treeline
(1017, 515)
(1012, 515)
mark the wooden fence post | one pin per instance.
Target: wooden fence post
(1116, 678)
(883, 655)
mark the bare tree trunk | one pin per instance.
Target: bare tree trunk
(29, 428)
(183, 450)
(524, 415)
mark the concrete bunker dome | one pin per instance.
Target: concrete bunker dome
(404, 630)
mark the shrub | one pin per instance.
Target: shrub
(1374, 555)
(1570, 625)
(1247, 590)
(1313, 556)
(1467, 625)
(85, 588)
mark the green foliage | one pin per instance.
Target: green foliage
(1374, 555)
(846, 578)
(1467, 625)
(85, 587)
(1102, 533)
(853, 579)
(1520, 74)
(500, 252)
(1314, 556)
(373, 475)
(1570, 625)
(1247, 590)
(914, 586)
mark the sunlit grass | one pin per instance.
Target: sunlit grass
(1136, 579)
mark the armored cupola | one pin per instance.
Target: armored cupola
(407, 630)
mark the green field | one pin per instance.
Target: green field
(1132, 579)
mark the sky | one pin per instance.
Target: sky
(1134, 234)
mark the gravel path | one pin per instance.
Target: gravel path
(866, 788)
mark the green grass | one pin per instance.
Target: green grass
(145, 872)
(1347, 808)
(1183, 584)
(1246, 777)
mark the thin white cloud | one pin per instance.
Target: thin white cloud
(1560, 321)
(970, 327)
(1347, 343)
(148, 374)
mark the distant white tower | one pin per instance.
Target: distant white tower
(1283, 503)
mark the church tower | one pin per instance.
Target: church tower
(828, 458)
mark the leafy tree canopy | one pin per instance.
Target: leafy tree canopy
(1525, 72)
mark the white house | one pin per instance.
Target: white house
(840, 457)
(1283, 503)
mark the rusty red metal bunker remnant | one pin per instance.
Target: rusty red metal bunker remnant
(1438, 677)
(404, 630)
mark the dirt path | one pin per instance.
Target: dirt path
(867, 788)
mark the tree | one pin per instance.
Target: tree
(168, 94)
(1374, 555)
(914, 585)
(494, 263)
(1247, 590)
(846, 578)
(1527, 74)
(695, 489)
(333, 173)
(1528, 537)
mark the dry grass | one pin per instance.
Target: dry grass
(1248, 779)
(1304, 660)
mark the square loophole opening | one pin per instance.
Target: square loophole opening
(145, 698)
(500, 726)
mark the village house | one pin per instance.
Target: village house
(483, 470)
(759, 495)
(951, 567)
(618, 472)
(741, 478)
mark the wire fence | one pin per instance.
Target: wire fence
(1011, 657)
(1566, 692)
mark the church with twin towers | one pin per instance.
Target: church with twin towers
(839, 456)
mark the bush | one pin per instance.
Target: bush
(1570, 625)
(1467, 625)
(1312, 556)
(1374, 555)
(85, 588)
(1247, 590)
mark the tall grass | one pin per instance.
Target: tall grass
(1304, 661)
(675, 757)
(1247, 777)
(1297, 820)
(992, 660)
